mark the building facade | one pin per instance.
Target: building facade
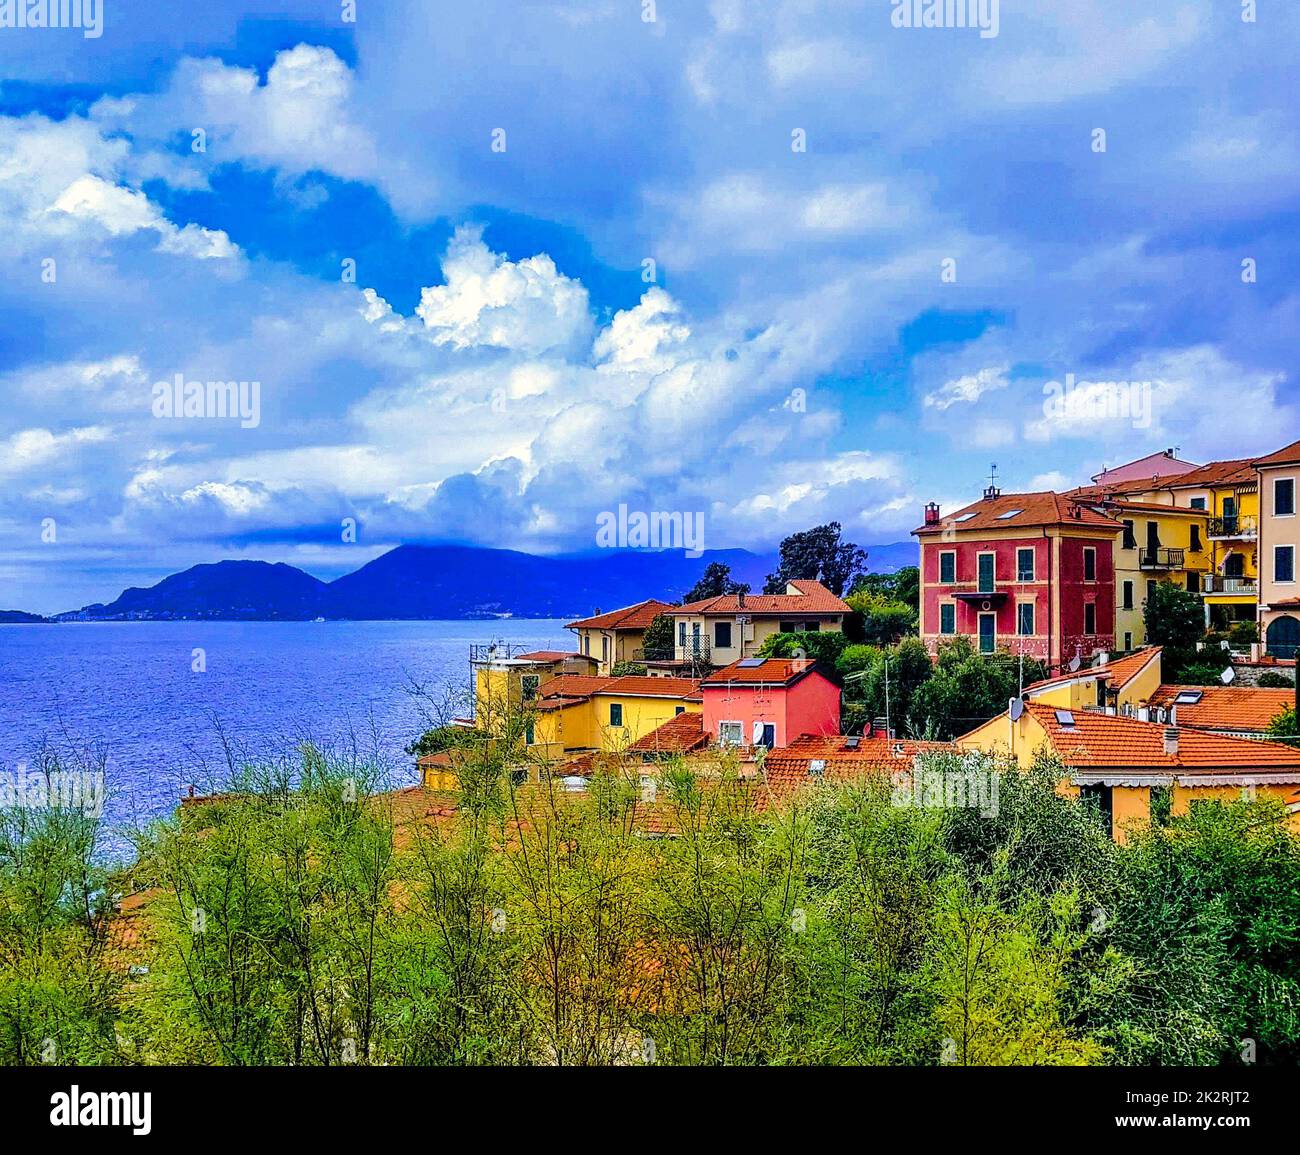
(1031, 573)
(1279, 546)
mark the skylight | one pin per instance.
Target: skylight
(1188, 697)
(749, 663)
(964, 517)
(1010, 513)
(1065, 717)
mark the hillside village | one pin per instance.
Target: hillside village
(1062, 584)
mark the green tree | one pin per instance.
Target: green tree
(1284, 725)
(715, 582)
(820, 645)
(904, 586)
(658, 640)
(818, 554)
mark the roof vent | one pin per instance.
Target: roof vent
(1171, 741)
(898, 749)
(932, 513)
(740, 599)
(992, 493)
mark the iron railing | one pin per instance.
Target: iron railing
(1161, 558)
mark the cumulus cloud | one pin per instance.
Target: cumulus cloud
(968, 389)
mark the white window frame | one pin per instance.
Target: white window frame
(723, 740)
(1294, 496)
(948, 633)
(1032, 607)
(1283, 581)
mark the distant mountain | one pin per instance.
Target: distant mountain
(228, 590)
(17, 617)
(419, 582)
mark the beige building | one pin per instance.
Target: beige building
(617, 636)
(718, 631)
(1279, 544)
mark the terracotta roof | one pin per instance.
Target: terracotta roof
(680, 735)
(787, 768)
(1115, 742)
(1217, 473)
(636, 617)
(1287, 455)
(1121, 503)
(553, 656)
(566, 688)
(1153, 464)
(1249, 708)
(1018, 510)
(765, 672)
(1124, 670)
(813, 598)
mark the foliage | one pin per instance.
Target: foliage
(627, 669)
(902, 586)
(658, 640)
(1175, 618)
(1284, 725)
(968, 688)
(1272, 680)
(818, 554)
(820, 645)
(439, 738)
(715, 582)
(883, 620)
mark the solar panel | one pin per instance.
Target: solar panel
(817, 766)
(749, 663)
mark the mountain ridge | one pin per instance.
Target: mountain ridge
(433, 582)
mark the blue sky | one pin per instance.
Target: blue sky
(502, 370)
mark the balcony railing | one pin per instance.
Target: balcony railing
(1233, 527)
(695, 650)
(1214, 584)
(1161, 558)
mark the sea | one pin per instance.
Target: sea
(164, 707)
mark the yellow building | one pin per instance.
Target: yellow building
(617, 636)
(573, 714)
(506, 681)
(1122, 685)
(1117, 761)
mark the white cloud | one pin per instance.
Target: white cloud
(968, 389)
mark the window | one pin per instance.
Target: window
(1128, 595)
(1194, 582)
(681, 634)
(788, 627)
(1024, 565)
(586, 644)
(1128, 642)
(1090, 619)
(678, 710)
(988, 633)
(530, 734)
(812, 627)
(731, 733)
(1197, 503)
(1284, 497)
(529, 683)
(604, 648)
(1090, 565)
(616, 713)
(947, 567)
(1130, 536)
(1196, 539)
(1025, 619)
(722, 635)
(986, 572)
(1284, 563)
(1010, 513)
(948, 618)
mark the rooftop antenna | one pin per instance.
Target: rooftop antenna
(993, 490)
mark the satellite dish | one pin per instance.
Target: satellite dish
(1075, 663)
(1224, 645)
(1228, 676)
(1017, 709)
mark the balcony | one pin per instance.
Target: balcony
(1230, 586)
(1161, 558)
(1233, 529)
(696, 651)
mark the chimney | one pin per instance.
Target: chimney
(932, 513)
(740, 599)
(992, 493)
(1171, 741)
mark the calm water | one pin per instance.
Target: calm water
(129, 688)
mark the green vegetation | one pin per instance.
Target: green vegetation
(298, 920)
(715, 582)
(1271, 680)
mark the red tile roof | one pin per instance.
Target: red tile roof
(1017, 510)
(568, 688)
(787, 768)
(1247, 708)
(1124, 670)
(636, 617)
(553, 656)
(1287, 455)
(680, 735)
(1115, 742)
(767, 672)
(813, 598)
(1217, 473)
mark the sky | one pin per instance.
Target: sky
(498, 268)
